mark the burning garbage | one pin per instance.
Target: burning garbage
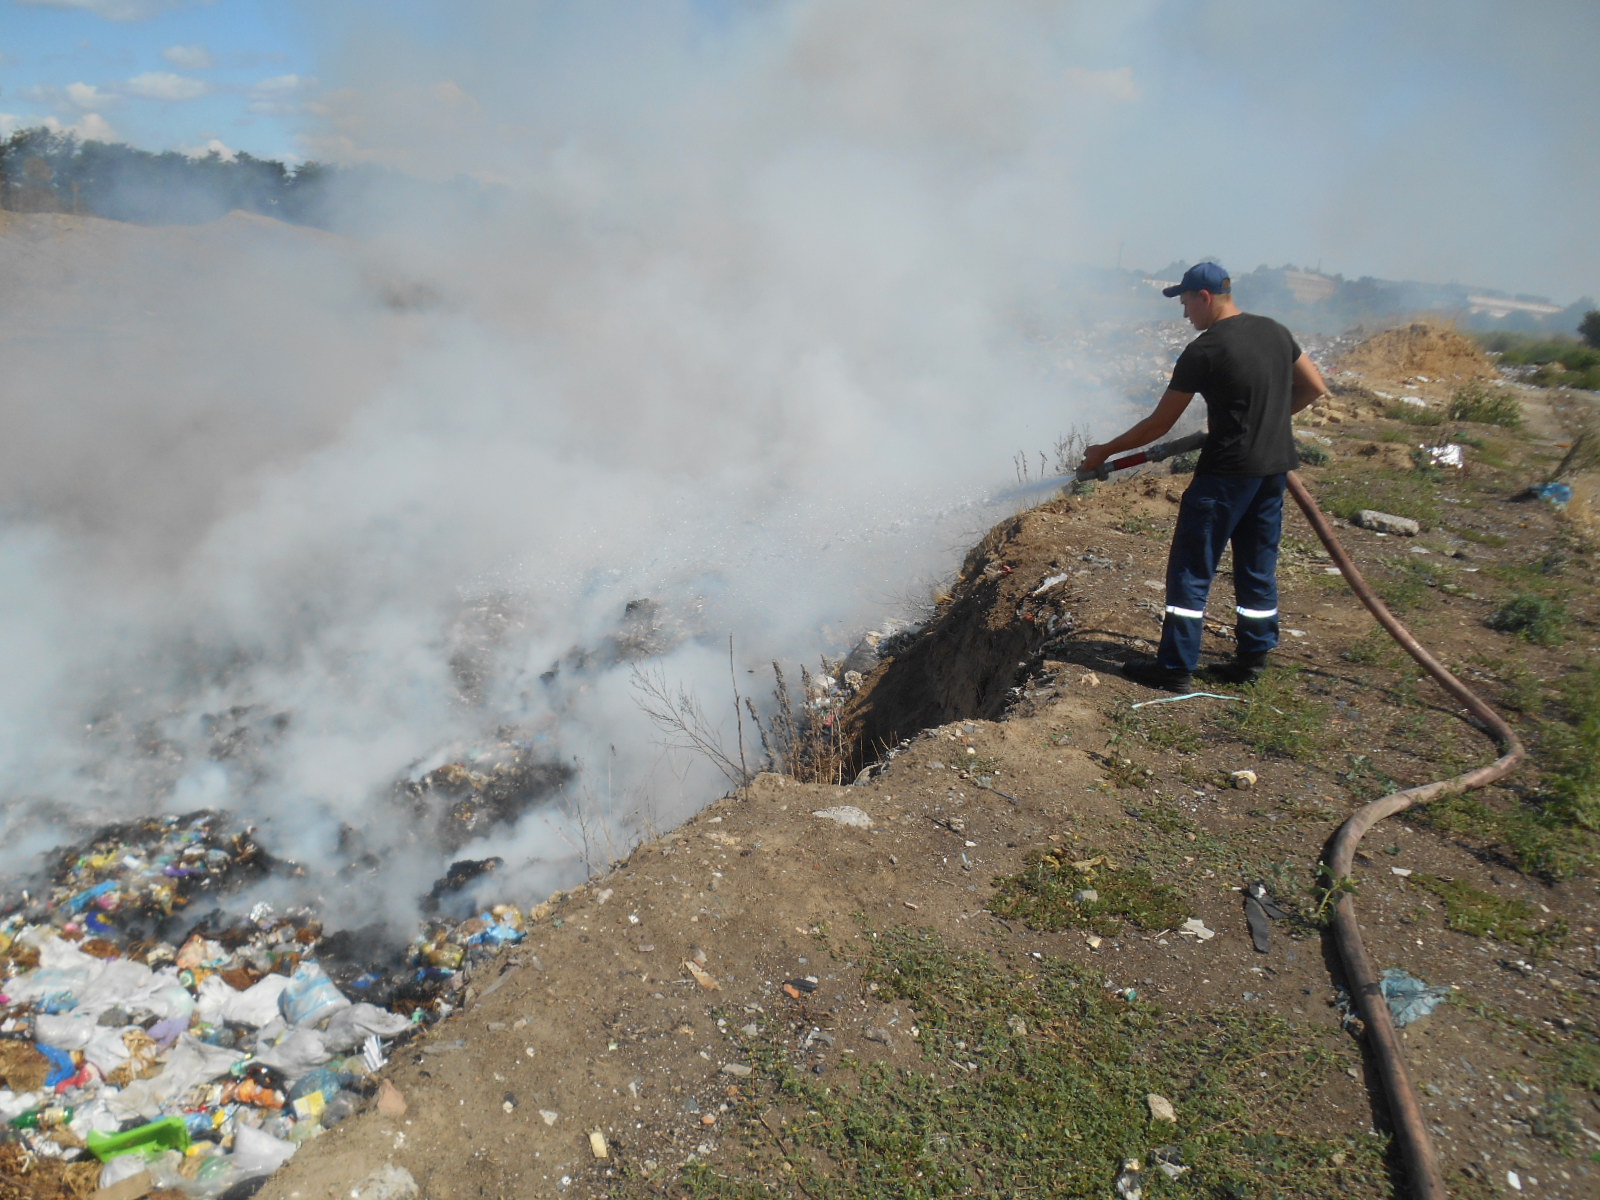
(144, 1027)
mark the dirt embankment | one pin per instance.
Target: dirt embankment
(656, 1012)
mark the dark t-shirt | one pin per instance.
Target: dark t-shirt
(1244, 367)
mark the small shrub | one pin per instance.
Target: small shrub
(1587, 380)
(1312, 455)
(1538, 619)
(1183, 464)
(1414, 414)
(1535, 839)
(1477, 402)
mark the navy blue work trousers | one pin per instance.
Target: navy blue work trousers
(1218, 510)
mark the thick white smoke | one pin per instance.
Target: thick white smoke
(745, 308)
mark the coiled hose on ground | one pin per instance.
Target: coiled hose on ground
(1416, 1146)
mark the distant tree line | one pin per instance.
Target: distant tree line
(45, 171)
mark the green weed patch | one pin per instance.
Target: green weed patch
(1073, 889)
(1032, 1082)
(1403, 493)
(1279, 718)
(1534, 837)
(1483, 914)
(1486, 405)
(1572, 754)
(1536, 618)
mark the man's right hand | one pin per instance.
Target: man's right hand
(1093, 456)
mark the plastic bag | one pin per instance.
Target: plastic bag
(1409, 997)
(349, 1027)
(255, 1151)
(298, 1052)
(310, 997)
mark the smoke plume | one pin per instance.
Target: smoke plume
(731, 316)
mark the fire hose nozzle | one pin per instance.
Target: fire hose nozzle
(1156, 453)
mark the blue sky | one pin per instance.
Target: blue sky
(158, 75)
(1444, 140)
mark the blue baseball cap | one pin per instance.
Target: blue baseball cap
(1206, 276)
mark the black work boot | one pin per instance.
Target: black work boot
(1150, 673)
(1242, 668)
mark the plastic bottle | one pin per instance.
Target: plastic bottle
(42, 1116)
(337, 1108)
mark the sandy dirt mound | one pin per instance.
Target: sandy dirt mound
(1420, 349)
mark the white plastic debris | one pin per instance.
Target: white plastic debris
(297, 1052)
(349, 1027)
(217, 1003)
(1052, 581)
(372, 1054)
(255, 1150)
(1197, 927)
(1448, 455)
(189, 1062)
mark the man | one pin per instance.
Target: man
(1253, 377)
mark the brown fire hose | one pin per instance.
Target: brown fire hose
(1416, 1147)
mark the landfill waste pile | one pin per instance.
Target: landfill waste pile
(156, 1016)
(144, 1027)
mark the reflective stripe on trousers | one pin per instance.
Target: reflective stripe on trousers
(1219, 511)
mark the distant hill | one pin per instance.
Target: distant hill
(1319, 303)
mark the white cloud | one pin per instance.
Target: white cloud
(279, 95)
(221, 149)
(111, 10)
(87, 98)
(91, 127)
(190, 58)
(164, 85)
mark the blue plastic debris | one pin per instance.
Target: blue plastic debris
(62, 1068)
(497, 934)
(1552, 493)
(1409, 997)
(86, 897)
